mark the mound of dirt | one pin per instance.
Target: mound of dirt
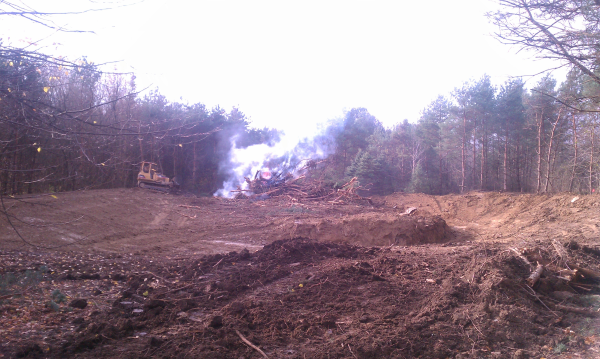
(374, 229)
(303, 298)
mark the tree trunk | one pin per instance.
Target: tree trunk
(30, 177)
(174, 161)
(518, 165)
(592, 160)
(550, 150)
(462, 150)
(474, 171)
(482, 183)
(556, 185)
(140, 140)
(402, 174)
(344, 163)
(15, 165)
(575, 154)
(441, 175)
(194, 165)
(504, 180)
(540, 123)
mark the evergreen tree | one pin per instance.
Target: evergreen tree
(373, 172)
(353, 133)
(421, 182)
(511, 119)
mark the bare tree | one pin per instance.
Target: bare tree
(21, 10)
(567, 31)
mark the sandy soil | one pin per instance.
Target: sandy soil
(180, 276)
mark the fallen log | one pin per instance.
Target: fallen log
(583, 311)
(582, 287)
(354, 179)
(535, 276)
(587, 273)
(568, 274)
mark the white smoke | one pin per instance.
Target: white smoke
(245, 162)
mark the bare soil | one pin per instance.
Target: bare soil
(179, 276)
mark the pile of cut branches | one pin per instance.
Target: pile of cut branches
(301, 188)
(346, 193)
(556, 274)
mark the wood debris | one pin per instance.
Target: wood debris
(300, 188)
(535, 276)
(553, 264)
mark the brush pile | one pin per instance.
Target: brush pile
(266, 185)
(559, 277)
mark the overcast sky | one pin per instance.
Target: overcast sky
(289, 64)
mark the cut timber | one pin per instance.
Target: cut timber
(583, 311)
(588, 273)
(569, 275)
(582, 287)
(535, 276)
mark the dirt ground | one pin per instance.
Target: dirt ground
(130, 273)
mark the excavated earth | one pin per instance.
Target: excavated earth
(129, 273)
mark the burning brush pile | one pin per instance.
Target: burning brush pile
(298, 184)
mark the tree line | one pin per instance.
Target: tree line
(481, 137)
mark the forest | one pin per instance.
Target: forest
(68, 125)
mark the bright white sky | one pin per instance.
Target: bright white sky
(290, 64)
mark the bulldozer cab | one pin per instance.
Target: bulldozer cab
(148, 169)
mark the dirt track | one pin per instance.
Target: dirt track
(133, 220)
(457, 292)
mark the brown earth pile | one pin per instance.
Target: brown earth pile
(374, 229)
(300, 297)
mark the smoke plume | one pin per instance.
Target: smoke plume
(284, 156)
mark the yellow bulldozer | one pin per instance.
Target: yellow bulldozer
(149, 177)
